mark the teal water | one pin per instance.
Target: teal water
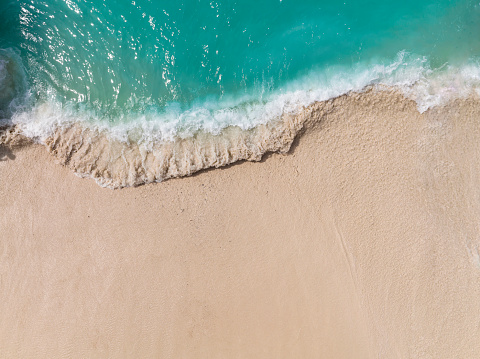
(175, 67)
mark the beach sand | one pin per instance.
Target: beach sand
(361, 242)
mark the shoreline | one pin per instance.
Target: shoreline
(361, 242)
(117, 164)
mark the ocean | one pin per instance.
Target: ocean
(162, 89)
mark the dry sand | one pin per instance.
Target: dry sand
(362, 242)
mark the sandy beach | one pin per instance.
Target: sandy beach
(361, 242)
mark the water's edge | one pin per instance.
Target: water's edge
(117, 164)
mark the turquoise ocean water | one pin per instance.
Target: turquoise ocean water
(171, 68)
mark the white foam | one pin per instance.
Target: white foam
(411, 74)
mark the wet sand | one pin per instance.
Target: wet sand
(361, 242)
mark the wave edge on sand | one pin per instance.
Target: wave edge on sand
(113, 163)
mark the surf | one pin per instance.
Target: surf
(213, 80)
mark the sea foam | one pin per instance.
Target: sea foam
(154, 147)
(409, 73)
